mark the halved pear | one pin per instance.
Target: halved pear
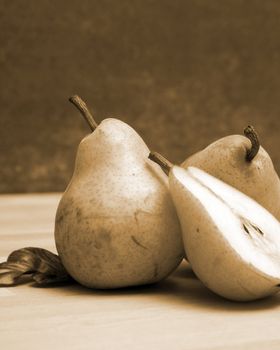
(232, 243)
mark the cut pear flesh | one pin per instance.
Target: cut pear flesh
(232, 243)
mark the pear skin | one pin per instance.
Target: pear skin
(226, 160)
(116, 225)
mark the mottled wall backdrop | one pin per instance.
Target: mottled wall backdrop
(182, 73)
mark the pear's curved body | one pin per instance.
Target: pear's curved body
(232, 243)
(116, 225)
(226, 160)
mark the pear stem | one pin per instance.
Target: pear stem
(251, 134)
(160, 160)
(82, 107)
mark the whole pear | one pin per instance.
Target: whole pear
(242, 163)
(116, 224)
(232, 242)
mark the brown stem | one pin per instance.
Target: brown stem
(160, 160)
(251, 134)
(82, 107)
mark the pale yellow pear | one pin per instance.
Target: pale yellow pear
(116, 224)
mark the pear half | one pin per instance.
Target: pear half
(232, 243)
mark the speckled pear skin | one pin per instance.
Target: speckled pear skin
(116, 225)
(226, 160)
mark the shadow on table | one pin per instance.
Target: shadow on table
(181, 289)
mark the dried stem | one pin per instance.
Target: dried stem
(82, 107)
(251, 134)
(160, 160)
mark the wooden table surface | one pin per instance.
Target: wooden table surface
(178, 313)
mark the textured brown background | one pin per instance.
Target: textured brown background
(182, 73)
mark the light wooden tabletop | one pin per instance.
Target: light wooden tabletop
(178, 313)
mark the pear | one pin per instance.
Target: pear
(242, 163)
(232, 242)
(116, 225)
